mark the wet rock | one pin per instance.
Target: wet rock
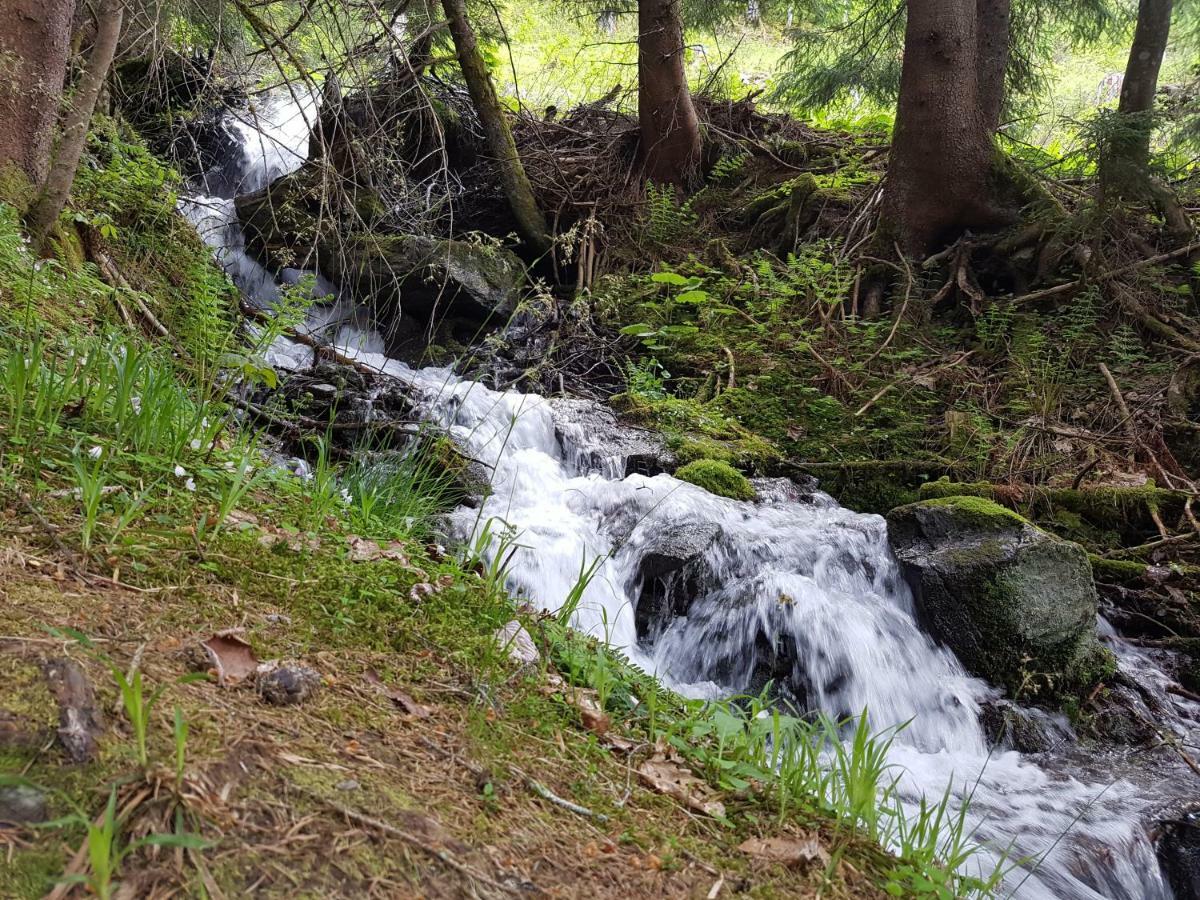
(670, 571)
(22, 805)
(671, 550)
(1009, 599)
(1179, 855)
(1012, 727)
(473, 279)
(431, 274)
(287, 685)
(594, 441)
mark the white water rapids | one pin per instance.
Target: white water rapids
(784, 573)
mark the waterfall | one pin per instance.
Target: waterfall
(786, 578)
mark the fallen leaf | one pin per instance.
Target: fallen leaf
(788, 851)
(232, 657)
(668, 777)
(585, 700)
(365, 550)
(397, 696)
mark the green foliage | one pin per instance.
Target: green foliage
(794, 765)
(718, 478)
(665, 220)
(1125, 348)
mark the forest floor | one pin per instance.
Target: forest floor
(407, 774)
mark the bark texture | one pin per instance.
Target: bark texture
(1125, 165)
(35, 40)
(1141, 73)
(70, 144)
(492, 117)
(942, 177)
(667, 120)
(994, 33)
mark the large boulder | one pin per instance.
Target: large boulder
(1017, 605)
(355, 248)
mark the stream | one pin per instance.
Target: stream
(791, 578)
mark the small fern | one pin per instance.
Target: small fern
(666, 220)
(1125, 347)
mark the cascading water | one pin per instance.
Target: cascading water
(785, 578)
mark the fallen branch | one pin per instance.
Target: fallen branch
(1106, 276)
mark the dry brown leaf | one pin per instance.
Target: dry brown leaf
(365, 550)
(406, 703)
(585, 700)
(669, 777)
(232, 657)
(786, 850)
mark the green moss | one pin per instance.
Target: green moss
(696, 430)
(718, 478)
(1117, 571)
(978, 512)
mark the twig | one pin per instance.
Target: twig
(546, 794)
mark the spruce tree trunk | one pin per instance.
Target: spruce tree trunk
(941, 175)
(1141, 75)
(529, 218)
(69, 149)
(993, 27)
(35, 40)
(667, 120)
(1125, 164)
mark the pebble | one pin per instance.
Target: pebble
(21, 804)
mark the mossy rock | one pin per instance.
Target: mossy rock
(1017, 605)
(718, 478)
(1090, 514)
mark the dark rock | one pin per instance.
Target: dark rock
(22, 804)
(1179, 855)
(1013, 727)
(427, 274)
(288, 685)
(670, 571)
(671, 550)
(1009, 599)
(594, 441)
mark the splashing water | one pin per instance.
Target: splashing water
(800, 590)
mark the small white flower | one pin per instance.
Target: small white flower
(195, 445)
(190, 484)
(180, 471)
(136, 404)
(95, 452)
(204, 422)
(346, 498)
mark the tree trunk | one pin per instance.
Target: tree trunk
(530, 221)
(667, 120)
(1125, 162)
(993, 20)
(1141, 76)
(35, 40)
(70, 144)
(941, 178)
